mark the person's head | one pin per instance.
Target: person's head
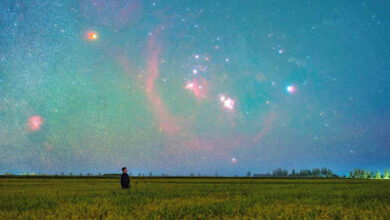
(124, 169)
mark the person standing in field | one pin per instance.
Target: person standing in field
(125, 179)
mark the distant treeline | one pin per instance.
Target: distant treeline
(313, 173)
(369, 174)
(277, 173)
(325, 173)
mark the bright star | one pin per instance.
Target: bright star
(92, 36)
(291, 89)
(189, 85)
(222, 98)
(229, 103)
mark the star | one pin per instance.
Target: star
(92, 36)
(229, 104)
(291, 89)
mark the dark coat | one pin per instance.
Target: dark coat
(125, 181)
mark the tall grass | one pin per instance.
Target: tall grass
(159, 198)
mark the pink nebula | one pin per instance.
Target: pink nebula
(166, 121)
(199, 87)
(267, 127)
(35, 122)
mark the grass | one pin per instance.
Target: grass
(194, 198)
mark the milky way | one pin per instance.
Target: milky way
(184, 87)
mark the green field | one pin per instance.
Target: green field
(194, 198)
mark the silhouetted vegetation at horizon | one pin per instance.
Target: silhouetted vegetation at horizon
(277, 173)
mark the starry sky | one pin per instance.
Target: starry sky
(182, 87)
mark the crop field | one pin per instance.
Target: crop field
(194, 198)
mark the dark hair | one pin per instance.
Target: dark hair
(123, 168)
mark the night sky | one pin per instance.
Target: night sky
(182, 87)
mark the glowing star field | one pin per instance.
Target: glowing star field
(181, 87)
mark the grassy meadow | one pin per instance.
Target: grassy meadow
(194, 198)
